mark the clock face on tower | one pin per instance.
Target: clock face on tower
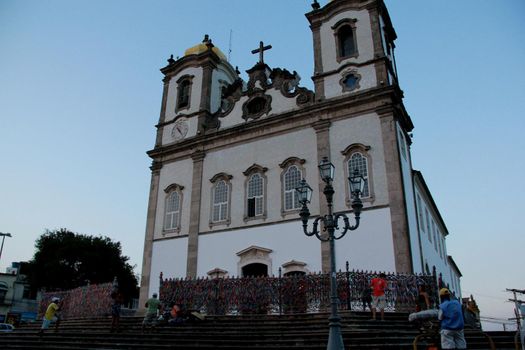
(180, 129)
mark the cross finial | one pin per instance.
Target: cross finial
(260, 50)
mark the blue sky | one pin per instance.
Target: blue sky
(80, 93)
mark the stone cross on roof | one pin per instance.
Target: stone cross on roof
(261, 50)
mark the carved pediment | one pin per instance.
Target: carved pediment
(254, 251)
(255, 168)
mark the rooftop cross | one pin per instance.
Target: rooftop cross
(260, 50)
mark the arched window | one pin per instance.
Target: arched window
(357, 158)
(173, 207)
(345, 37)
(255, 195)
(183, 92)
(255, 186)
(220, 201)
(172, 211)
(292, 177)
(358, 161)
(293, 172)
(346, 41)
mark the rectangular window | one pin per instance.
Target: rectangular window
(428, 225)
(403, 145)
(439, 244)
(420, 214)
(444, 250)
(251, 207)
(435, 236)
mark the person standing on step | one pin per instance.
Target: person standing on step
(51, 315)
(116, 306)
(451, 317)
(378, 285)
(366, 296)
(422, 301)
(152, 305)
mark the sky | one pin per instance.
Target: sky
(80, 93)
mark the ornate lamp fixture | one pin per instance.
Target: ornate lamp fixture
(330, 223)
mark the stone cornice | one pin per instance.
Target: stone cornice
(334, 7)
(321, 125)
(350, 64)
(203, 59)
(347, 106)
(198, 155)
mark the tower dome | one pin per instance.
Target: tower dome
(204, 46)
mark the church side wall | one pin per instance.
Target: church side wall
(431, 251)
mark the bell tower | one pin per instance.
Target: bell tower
(353, 47)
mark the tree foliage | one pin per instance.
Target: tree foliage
(66, 260)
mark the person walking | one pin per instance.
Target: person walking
(152, 305)
(378, 285)
(51, 315)
(451, 317)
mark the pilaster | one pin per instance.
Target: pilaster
(322, 131)
(162, 117)
(195, 213)
(150, 229)
(396, 192)
(318, 61)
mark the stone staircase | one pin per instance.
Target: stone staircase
(269, 332)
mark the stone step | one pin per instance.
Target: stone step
(299, 331)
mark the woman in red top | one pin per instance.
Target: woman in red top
(378, 285)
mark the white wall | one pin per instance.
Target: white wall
(367, 248)
(286, 240)
(368, 80)
(365, 129)
(267, 152)
(181, 173)
(431, 255)
(169, 257)
(370, 247)
(196, 89)
(363, 35)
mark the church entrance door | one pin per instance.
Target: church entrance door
(255, 270)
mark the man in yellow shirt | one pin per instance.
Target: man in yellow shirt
(51, 315)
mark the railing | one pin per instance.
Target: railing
(88, 301)
(290, 294)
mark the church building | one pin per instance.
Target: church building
(229, 154)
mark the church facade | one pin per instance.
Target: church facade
(229, 154)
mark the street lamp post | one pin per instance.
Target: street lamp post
(331, 223)
(3, 235)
